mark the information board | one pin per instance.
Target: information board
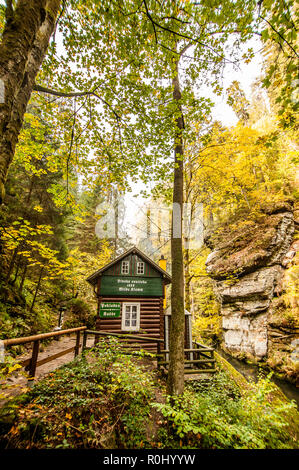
(109, 309)
(131, 286)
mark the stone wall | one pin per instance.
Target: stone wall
(248, 265)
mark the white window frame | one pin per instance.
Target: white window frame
(125, 267)
(123, 320)
(139, 265)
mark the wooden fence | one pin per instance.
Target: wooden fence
(32, 363)
(199, 359)
(128, 341)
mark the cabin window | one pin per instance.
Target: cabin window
(131, 317)
(140, 267)
(125, 265)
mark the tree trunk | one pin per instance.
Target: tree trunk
(23, 276)
(17, 270)
(11, 264)
(30, 190)
(37, 289)
(175, 382)
(24, 44)
(116, 219)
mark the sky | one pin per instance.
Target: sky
(246, 75)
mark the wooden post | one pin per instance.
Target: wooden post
(77, 347)
(158, 352)
(98, 320)
(34, 356)
(84, 341)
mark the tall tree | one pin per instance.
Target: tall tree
(175, 380)
(198, 52)
(25, 39)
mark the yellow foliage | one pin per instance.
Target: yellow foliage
(38, 208)
(243, 167)
(203, 325)
(80, 265)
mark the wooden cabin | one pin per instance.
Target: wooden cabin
(131, 296)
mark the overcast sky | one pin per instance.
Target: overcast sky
(247, 75)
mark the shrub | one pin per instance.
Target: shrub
(108, 399)
(219, 417)
(101, 399)
(78, 314)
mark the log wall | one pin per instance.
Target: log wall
(151, 318)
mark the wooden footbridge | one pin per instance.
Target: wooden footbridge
(198, 360)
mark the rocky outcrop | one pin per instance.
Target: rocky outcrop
(254, 246)
(248, 266)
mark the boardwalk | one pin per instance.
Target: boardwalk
(18, 381)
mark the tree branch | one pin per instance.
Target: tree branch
(184, 36)
(70, 150)
(75, 94)
(280, 35)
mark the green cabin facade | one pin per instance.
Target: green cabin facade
(130, 292)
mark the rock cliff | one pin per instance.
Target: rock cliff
(249, 266)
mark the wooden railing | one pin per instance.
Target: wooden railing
(32, 363)
(123, 336)
(198, 359)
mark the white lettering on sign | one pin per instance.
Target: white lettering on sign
(110, 309)
(131, 285)
(130, 289)
(131, 281)
(110, 305)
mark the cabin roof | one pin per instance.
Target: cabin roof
(92, 279)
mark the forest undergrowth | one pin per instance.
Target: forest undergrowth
(108, 399)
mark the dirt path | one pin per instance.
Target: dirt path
(18, 382)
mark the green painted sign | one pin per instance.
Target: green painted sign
(110, 310)
(129, 286)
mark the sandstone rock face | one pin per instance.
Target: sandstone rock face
(254, 247)
(248, 267)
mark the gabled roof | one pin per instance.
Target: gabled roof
(92, 279)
